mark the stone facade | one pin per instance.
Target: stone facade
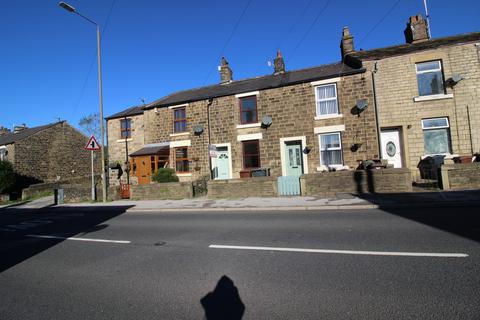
(55, 153)
(396, 90)
(292, 109)
(118, 146)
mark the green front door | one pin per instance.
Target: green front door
(293, 158)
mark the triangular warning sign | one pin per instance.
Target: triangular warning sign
(92, 144)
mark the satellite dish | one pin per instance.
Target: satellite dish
(362, 104)
(198, 129)
(266, 121)
(456, 78)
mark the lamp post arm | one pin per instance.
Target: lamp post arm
(86, 18)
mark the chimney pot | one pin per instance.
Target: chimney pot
(279, 64)
(346, 45)
(226, 74)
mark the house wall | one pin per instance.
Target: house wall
(116, 145)
(292, 109)
(396, 87)
(54, 153)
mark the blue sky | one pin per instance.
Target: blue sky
(152, 48)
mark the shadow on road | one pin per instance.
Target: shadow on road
(445, 210)
(16, 224)
(223, 302)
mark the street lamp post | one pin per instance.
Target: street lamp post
(69, 8)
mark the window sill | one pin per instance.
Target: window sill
(185, 174)
(323, 168)
(447, 155)
(328, 116)
(179, 134)
(123, 140)
(249, 125)
(433, 97)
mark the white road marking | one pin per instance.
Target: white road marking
(373, 253)
(77, 239)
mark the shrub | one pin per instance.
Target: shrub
(165, 175)
(7, 177)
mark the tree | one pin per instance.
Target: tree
(91, 125)
(7, 177)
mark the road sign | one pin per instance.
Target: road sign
(92, 144)
(212, 150)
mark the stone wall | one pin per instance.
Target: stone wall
(78, 193)
(116, 145)
(328, 184)
(460, 176)
(292, 109)
(54, 153)
(243, 188)
(396, 88)
(160, 191)
(48, 187)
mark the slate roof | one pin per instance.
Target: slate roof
(132, 111)
(380, 53)
(254, 84)
(25, 133)
(152, 149)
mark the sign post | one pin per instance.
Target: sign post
(92, 145)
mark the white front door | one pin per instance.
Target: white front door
(222, 164)
(391, 148)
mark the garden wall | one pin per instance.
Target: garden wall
(243, 188)
(160, 191)
(460, 176)
(328, 184)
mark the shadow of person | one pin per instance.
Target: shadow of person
(223, 302)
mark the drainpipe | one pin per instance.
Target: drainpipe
(377, 125)
(209, 103)
(127, 165)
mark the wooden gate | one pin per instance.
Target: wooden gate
(124, 191)
(288, 186)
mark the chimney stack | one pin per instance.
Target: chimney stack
(16, 129)
(226, 74)
(346, 45)
(416, 30)
(279, 64)
(4, 131)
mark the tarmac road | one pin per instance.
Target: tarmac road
(341, 264)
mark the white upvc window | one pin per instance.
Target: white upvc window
(436, 136)
(430, 78)
(331, 149)
(326, 99)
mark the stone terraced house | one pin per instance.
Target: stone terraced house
(427, 95)
(47, 153)
(287, 123)
(401, 104)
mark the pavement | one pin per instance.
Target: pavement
(341, 201)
